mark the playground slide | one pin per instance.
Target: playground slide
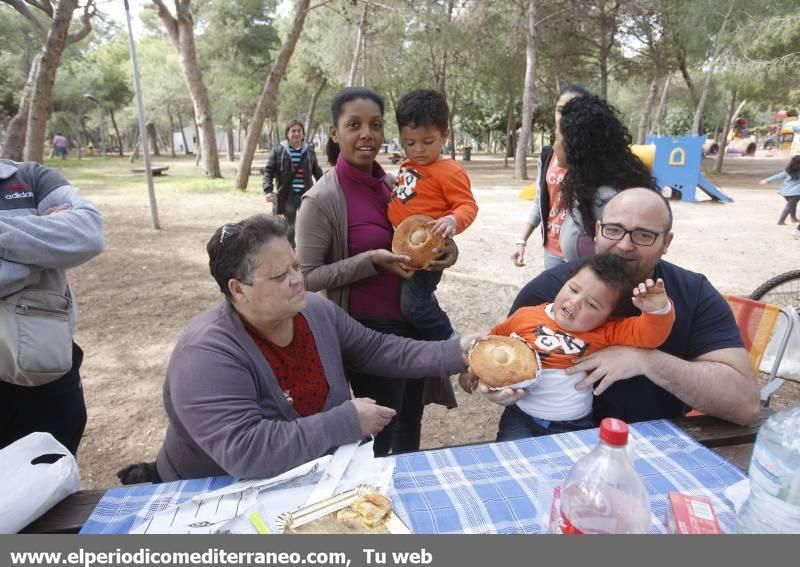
(712, 190)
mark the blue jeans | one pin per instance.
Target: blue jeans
(420, 308)
(62, 151)
(516, 424)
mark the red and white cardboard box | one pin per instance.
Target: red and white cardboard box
(689, 514)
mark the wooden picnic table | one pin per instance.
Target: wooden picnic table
(731, 441)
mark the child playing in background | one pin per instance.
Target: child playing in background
(428, 184)
(588, 314)
(789, 190)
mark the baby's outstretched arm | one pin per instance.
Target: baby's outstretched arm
(650, 296)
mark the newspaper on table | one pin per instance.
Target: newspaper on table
(227, 509)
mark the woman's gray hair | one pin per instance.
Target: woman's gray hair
(234, 247)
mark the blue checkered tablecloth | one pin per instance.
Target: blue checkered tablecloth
(508, 487)
(122, 509)
(489, 488)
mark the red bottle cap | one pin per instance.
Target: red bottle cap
(614, 431)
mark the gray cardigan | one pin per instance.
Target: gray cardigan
(322, 250)
(228, 415)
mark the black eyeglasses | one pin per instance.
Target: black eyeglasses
(639, 236)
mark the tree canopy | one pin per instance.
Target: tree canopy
(653, 59)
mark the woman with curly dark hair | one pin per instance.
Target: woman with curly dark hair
(545, 212)
(595, 146)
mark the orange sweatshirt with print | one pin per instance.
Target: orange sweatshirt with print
(558, 348)
(437, 189)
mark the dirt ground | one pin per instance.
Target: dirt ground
(137, 297)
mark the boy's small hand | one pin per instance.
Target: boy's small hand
(446, 226)
(650, 296)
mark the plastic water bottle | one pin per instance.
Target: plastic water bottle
(603, 493)
(774, 502)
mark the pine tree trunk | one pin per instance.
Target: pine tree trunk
(153, 137)
(87, 139)
(723, 143)
(180, 30)
(697, 123)
(116, 131)
(15, 137)
(171, 133)
(662, 108)
(362, 27)
(229, 138)
(268, 95)
(521, 161)
(136, 150)
(39, 111)
(604, 52)
(452, 138)
(308, 129)
(183, 132)
(648, 108)
(509, 131)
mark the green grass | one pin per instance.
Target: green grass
(113, 174)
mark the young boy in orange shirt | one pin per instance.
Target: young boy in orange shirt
(428, 184)
(588, 314)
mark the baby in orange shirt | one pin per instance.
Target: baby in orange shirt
(588, 314)
(428, 184)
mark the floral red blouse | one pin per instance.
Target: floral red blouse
(297, 367)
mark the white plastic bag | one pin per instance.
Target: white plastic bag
(36, 473)
(790, 363)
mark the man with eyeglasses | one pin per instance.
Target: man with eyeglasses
(703, 363)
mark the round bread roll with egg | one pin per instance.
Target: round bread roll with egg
(501, 362)
(414, 238)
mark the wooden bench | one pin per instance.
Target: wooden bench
(733, 442)
(154, 170)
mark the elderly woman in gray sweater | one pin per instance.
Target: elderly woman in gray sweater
(256, 385)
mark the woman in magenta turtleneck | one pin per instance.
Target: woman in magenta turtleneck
(344, 241)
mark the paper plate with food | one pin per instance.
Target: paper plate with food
(363, 510)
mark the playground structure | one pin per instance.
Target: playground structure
(740, 141)
(675, 163)
(783, 132)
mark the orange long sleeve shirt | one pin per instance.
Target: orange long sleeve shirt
(437, 189)
(558, 348)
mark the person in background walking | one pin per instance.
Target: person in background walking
(290, 166)
(61, 144)
(789, 190)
